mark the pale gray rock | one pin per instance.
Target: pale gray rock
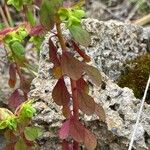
(120, 105)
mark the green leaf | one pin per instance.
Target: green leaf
(20, 145)
(27, 2)
(48, 12)
(80, 35)
(18, 52)
(71, 16)
(79, 13)
(63, 14)
(3, 125)
(25, 111)
(10, 122)
(7, 119)
(31, 17)
(18, 4)
(32, 133)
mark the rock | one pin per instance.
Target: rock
(5, 91)
(113, 44)
(120, 42)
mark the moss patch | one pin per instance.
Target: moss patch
(136, 77)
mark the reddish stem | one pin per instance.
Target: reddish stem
(75, 99)
(75, 145)
(73, 82)
(75, 108)
(21, 79)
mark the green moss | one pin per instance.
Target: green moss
(136, 76)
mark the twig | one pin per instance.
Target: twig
(9, 16)
(142, 21)
(104, 7)
(134, 10)
(4, 17)
(139, 114)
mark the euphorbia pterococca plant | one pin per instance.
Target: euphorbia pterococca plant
(67, 65)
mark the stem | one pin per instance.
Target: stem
(60, 36)
(21, 79)
(75, 99)
(4, 17)
(73, 82)
(75, 145)
(9, 16)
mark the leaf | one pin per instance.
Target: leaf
(60, 93)
(86, 103)
(99, 111)
(12, 75)
(25, 110)
(66, 145)
(30, 17)
(32, 133)
(5, 113)
(7, 119)
(20, 145)
(78, 132)
(18, 4)
(25, 84)
(80, 35)
(89, 140)
(81, 52)
(93, 74)
(9, 135)
(57, 72)
(4, 32)
(15, 99)
(53, 53)
(48, 11)
(81, 134)
(36, 30)
(18, 53)
(64, 131)
(66, 111)
(9, 146)
(82, 85)
(71, 66)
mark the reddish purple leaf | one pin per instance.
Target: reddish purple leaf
(10, 146)
(53, 53)
(25, 84)
(78, 132)
(89, 140)
(5, 31)
(60, 93)
(81, 134)
(99, 111)
(64, 131)
(81, 52)
(71, 66)
(15, 99)
(36, 30)
(86, 103)
(66, 145)
(82, 85)
(12, 75)
(93, 74)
